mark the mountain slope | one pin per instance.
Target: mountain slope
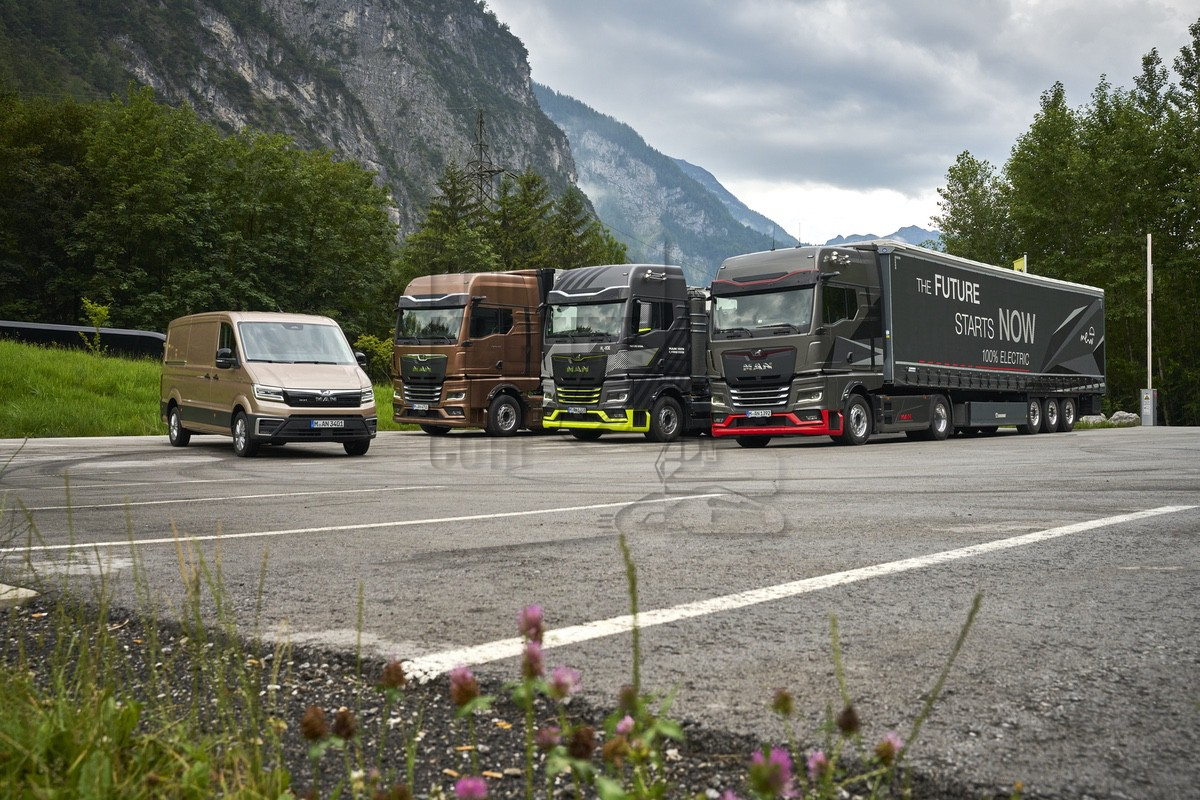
(740, 212)
(651, 204)
(398, 85)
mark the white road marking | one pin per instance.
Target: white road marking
(430, 666)
(74, 486)
(400, 523)
(175, 501)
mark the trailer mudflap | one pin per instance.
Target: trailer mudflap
(807, 422)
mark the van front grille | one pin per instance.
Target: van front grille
(322, 398)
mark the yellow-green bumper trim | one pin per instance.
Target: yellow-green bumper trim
(598, 419)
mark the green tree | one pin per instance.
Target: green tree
(521, 232)
(974, 219)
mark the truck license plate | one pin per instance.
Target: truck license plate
(420, 406)
(758, 412)
(576, 410)
(327, 423)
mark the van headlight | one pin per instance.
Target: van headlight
(272, 394)
(368, 397)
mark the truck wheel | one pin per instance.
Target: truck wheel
(243, 445)
(177, 435)
(358, 447)
(666, 420)
(504, 416)
(856, 421)
(941, 425)
(435, 430)
(753, 442)
(1033, 417)
(1067, 415)
(1050, 415)
(586, 434)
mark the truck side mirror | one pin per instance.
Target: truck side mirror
(361, 358)
(226, 359)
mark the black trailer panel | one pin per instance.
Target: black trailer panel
(952, 322)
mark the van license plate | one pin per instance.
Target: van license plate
(327, 423)
(758, 412)
(420, 406)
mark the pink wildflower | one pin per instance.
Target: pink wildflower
(564, 682)
(533, 665)
(531, 623)
(888, 748)
(471, 787)
(548, 738)
(818, 765)
(771, 775)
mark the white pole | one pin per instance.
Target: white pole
(1149, 313)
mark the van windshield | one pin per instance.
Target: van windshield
(429, 324)
(295, 343)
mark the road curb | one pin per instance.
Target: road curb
(15, 595)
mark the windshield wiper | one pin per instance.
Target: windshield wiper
(735, 333)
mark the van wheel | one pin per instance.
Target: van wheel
(504, 416)
(243, 445)
(358, 447)
(666, 420)
(177, 435)
(435, 430)
(857, 422)
(753, 442)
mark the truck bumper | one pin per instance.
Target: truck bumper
(788, 423)
(602, 419)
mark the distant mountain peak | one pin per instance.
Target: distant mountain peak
(913, 234)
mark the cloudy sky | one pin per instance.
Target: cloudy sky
(837, 116)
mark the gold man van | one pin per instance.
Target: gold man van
(265, 378)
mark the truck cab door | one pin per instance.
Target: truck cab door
(485, 347)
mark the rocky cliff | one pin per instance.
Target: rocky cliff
(398, 85)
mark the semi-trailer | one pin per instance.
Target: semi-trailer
(887, 337)
(624, 351)
(467, 351)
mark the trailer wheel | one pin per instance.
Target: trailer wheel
(666, 420)
(586, 434)
(504, 416)
(1033, 416)
(1067, 415)
(435, 430)
(752, 442)
(1050, 415)
(857, 422)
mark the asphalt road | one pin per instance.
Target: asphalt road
(1081, 676)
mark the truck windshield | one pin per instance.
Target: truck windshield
(429, 324)
(765, 313)
(295, 343)
(595, 322)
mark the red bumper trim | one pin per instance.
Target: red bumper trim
(786, 424)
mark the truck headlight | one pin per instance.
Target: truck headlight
(272, 394)
(456, 397)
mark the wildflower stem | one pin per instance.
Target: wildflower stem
(631, 580)
(936, 692)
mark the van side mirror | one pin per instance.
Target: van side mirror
(361, 358)
(226, 359)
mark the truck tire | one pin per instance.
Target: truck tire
(435, 430)
(358, 447)
(504, 416)
(243, 445)
(1067, 415)
(177, 435)
(856, 421)
(753, 442)
(941, 419)
(1033, 416)
(666, 420)
(586, 434)
(1050, 415)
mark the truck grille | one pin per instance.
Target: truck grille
(759, 396)
(315, 398)
(581, 396)
(422, 393)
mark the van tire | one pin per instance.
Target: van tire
(243, 445)
(177, 435)
(504, 416)
(358, 447)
